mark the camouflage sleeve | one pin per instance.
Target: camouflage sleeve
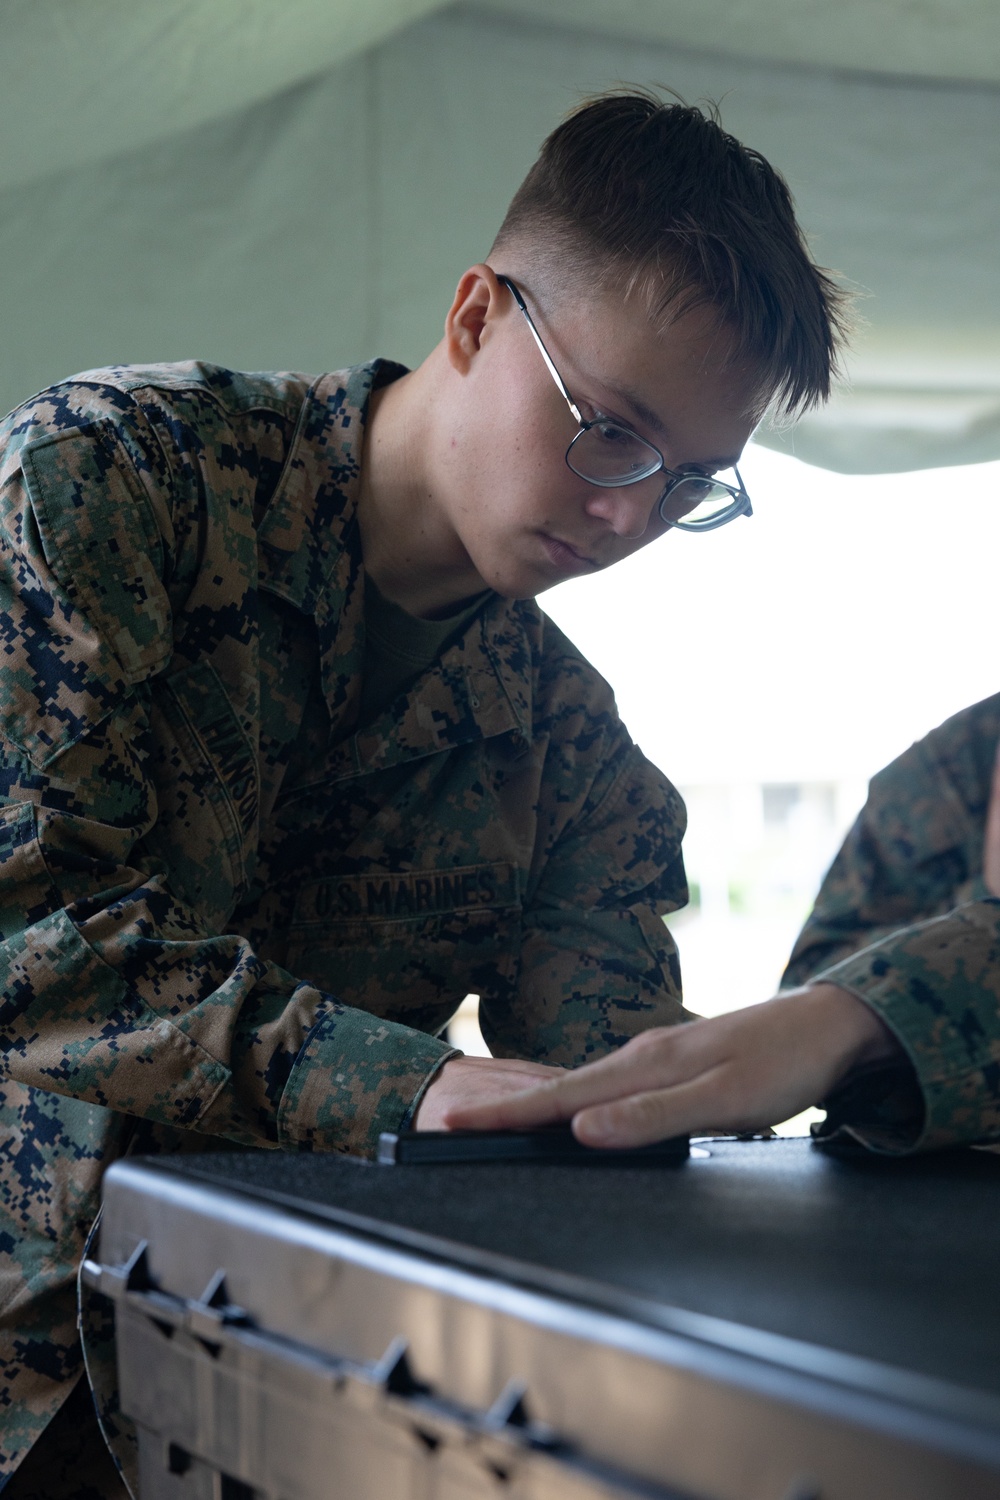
(115, 988)
(904, 922)
(597, 964)
(916, 848)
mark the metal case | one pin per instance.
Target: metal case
(321, 1329)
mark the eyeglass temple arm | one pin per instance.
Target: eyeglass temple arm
(748, 509)
(515, 293)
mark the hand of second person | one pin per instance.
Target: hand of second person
(465, 1081)
(741, 1071)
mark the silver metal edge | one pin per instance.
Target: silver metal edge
(917, 1408)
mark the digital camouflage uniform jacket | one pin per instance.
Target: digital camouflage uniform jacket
(228, 909)
(907, 891)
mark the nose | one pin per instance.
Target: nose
(626, 510)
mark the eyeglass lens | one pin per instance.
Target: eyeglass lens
(697, 500)
(607, 454)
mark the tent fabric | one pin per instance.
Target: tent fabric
(940, 39)
(292, 186)
(81, 80)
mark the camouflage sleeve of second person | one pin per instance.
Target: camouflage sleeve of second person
(904, 921)
(115, 988)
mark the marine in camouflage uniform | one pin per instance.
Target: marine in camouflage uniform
(905, 921)
(230, 909)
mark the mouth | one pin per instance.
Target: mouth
(565, 556)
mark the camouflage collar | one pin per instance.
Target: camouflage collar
(310, 556)
(308, 538)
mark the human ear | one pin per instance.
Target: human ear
(477, 300)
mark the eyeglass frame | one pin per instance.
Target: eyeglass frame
(741, 500)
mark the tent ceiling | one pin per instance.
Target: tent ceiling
(954, 39)
(85, 79)
(179, 63)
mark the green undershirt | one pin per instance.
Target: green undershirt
(400, 646)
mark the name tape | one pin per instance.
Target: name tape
(415, 893)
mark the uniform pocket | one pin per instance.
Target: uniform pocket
(205, 773)
(83, 612)
(27, 891)
(101, 542)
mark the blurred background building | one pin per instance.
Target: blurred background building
(300, 184)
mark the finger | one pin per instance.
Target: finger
(654, 1059)
(641, 1119)
(559, 1098)
(546, 1103)
(526, 1109)
(735, 1095)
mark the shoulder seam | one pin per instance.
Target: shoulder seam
(129, 390)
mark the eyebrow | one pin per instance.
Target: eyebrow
(645, 414)
(639, 407)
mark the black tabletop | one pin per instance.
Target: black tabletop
(897, 1262)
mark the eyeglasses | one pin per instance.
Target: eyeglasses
(608, 454)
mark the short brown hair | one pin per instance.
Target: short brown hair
(656, 197)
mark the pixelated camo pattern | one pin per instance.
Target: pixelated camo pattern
(228, 911)
(907, 891)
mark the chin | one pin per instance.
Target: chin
(514, 591)
(528, 584)
(511, 582)
(524, 585)
(518, 578)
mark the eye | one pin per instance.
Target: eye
(611, 434)
(606, 452)
(609, 430)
